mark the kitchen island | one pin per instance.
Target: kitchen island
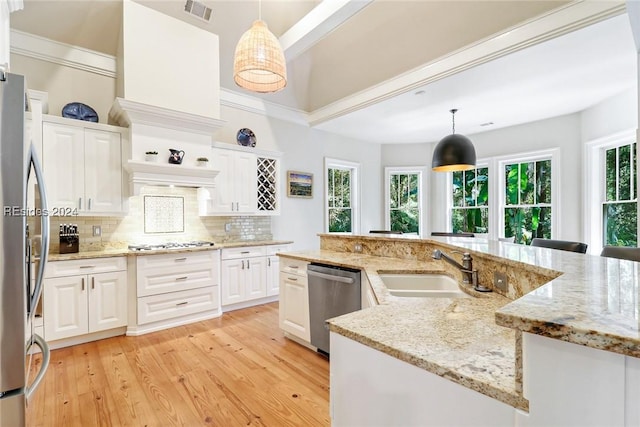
(501, 356)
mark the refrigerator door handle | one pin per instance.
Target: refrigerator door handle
(46, 355)
(44, 252)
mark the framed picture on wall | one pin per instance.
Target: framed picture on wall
(299, 184)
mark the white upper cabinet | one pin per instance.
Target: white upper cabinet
(103, 171)
(82, 168)
(235, 190)
(247, 183)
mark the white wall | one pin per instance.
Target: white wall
(169, 63)
(560, 132)
(304, 150)
(616, 114)
(66, 84)
(568, 133)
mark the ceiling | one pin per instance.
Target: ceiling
(384, 39)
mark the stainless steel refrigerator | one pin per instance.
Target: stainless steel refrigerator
(19, 291)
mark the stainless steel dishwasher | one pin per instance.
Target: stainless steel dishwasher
(333, 291)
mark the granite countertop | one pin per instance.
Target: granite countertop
(126, 252)
(456, 338)
(594, 302)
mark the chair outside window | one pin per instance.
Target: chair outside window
(621, 252)
(563, 245)
(446, 234)
(511, 239)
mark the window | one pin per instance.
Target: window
(619, 207)
(403, 205)
(527, 199)
(341, 196)
(470, 195)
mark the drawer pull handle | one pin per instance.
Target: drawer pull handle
(83, 283)
(245, 252)
(93, 280)
(182, 278)
(182, 303)
(293, 266)
(293, 279)
(243, 264)
(268, 262)
(181, 259)
(87, 266)
(248, 265)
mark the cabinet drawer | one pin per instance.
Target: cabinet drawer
(175, 304)
(274, 249)
(293, 266)
(176, 261)
(84, 266)
(246, 252)
(170, 279)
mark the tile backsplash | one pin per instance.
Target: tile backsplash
(119, 231)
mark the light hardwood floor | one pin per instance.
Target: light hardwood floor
(237, 370)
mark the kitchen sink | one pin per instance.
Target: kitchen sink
(422, 286)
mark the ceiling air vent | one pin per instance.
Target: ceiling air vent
(198, 10)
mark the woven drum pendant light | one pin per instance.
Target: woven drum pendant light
(454, 152)
(259, 64)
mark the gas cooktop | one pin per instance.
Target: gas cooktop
(170, 245)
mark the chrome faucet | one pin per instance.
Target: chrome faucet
(469, 275)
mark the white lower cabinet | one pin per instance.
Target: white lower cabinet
(273, 275)
(249, 275)
(404, 395)
(294, 298)
(174, 289)
(243, 274)
(273, 268)
(80, 299)
(368, 298)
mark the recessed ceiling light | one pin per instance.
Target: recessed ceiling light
(486, 124)
(420, 92)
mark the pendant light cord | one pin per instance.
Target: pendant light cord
(453, 119)
(260, 10)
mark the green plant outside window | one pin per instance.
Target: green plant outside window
(470, 211)
(619, 210)
(339, 200)
(527, 213)
(404, 202)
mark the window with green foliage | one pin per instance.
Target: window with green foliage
(341, 184)
(403, 206)
(527, 210)
(470, 211)
(339, 195)
(619, 209)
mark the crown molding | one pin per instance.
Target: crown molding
(44, 49)
(252, 104)
(552, 24)
(126, 112)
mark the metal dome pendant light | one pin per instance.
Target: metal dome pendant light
(259, 64)
(454, 152)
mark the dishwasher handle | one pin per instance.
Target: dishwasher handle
(347, 280)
